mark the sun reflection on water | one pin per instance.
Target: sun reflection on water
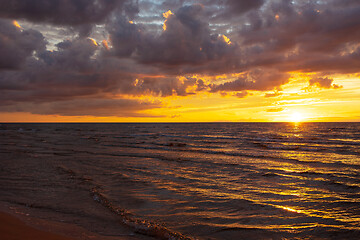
(291, 209)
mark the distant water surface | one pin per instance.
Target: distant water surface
(188, 181)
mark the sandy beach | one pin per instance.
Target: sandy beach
(22, 227)
(12, 228)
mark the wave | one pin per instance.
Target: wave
(257, 155)
(141, 226)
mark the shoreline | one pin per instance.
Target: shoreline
(20, 226)
(13, 228)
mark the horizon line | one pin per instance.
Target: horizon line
(178, 122)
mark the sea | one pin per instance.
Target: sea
(187, 180)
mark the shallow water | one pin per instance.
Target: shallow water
(217, 181)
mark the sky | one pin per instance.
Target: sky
(179, 60)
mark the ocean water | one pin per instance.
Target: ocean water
(188, 181)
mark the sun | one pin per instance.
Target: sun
(297, 117)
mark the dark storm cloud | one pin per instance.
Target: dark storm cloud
(238, 7)
(73, 70)
(345, 61)
(63, 12)
(67, 72)
(17, 45)
(100, 107)
(187, 40)
(284, 35)
(303, 36)
(346, 3)
(87, 107)
(73, 81)
(226, 10)
(172, 4)
(124, 36)
(264, 41)
(78, 15)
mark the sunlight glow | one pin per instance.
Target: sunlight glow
(166, 15)
(105, 44)
(291, 209)
(226, 39)
(94, 41)
(297, 117)
(16, 24)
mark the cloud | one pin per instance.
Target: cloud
(61, 12)
(172, 4)
(165, 86)
(70, 72)
(78, 15)
(303, 36)
(124, 36)
(323, 83)
(227, 10)
(16, 45)
(275, 110)
(74, 80)
(257, 80)
(187, 40)
(235, 8)
(260, 42)
(241, 94)
(241, 6)
(87, 107)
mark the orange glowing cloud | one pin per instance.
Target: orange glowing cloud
(105, 44)
(166, 15)
(226, 39)
(94, 41)
(16, 24)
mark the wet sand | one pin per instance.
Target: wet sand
(12, 228)
(19, 227)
